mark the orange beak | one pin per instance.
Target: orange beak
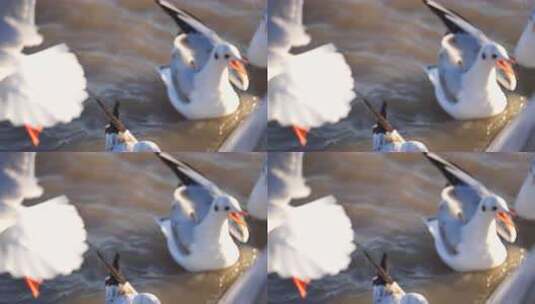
(33, 285)
(33, 133)
(301, 286)
(301, 135)
(507, 67)
(238, 217)
(506, 218)
(239, 67)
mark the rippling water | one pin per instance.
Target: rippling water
(118, 197)
(386, 197)
(387, 43)
(120, 43)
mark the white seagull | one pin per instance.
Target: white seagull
(306, 90)
(118, 137)
(42, 241)
(525, 48)
(257, 204)
(470, 221)
(386, 139)
(202, 70)
(307, 242)
(119, 290)
(257, 54)
(198, 232)
(388, 291)
(525, 201)
(471, 69)
(30, 94)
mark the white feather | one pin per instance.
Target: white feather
(47, 88)
(312, 241)
(45, 241)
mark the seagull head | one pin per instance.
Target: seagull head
(230, 208)
(496, 207)
(229, 55)
(497, 55)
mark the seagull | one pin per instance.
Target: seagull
(471, 69)
(386, 290)
(42, 241)
(306, 90)
(257, 53)
(386, 139)
(525, 49)
(119, 290)
(198, 79)
(198, 232)
(470, 221)
(118, 137)
(30, 95)
(525, 204)
(257, 204)
(307, 242)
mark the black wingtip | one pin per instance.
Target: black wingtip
(383, 277)
(176, 166)
(383, 125)
(442, 12)
(115, 125)
(178, 16)
(115, 276)
(442, 164)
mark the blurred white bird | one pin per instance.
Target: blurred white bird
(118, 137)
(198, 79)
(42, 241)
(470, 221)
(257, 204)
(525, 201)
(306, 90)
(525, 48)
(30, 95)
(119, 290)
(257, 54)
(386, 290)
(470, 69)
(307, 242)
(386, 138)
(198, 232)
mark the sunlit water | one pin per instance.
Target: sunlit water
(387, 44)
(118, 197)
(387, 197)
(120, 43)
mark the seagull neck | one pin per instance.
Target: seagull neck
(483, 224)
(215, 225)
(482, 73)
(216, 74)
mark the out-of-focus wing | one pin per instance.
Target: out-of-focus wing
(17, 178)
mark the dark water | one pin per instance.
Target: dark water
(120, 43)
(387, 43)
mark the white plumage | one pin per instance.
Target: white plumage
(40, 89)
(525, 48)
(525, 200)
(38, 242)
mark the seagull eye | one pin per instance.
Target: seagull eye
(216, 56)
(216, 208)
(494, 56)
(227, 56)
(494, 208)
(483, 208)
(227, 208)
(484, 56)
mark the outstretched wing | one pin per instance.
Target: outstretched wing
(17, 178)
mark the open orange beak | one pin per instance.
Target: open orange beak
(238, 217)
(33, 285)
(33, 133)
(301, 286)
(506, 67)
(301, 135)
(239, 67)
